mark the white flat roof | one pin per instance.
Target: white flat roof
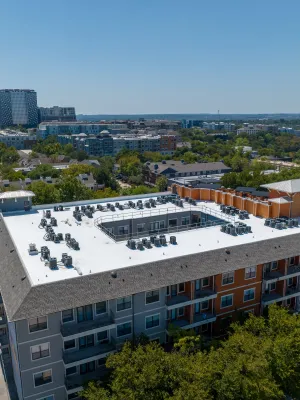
(99, 253)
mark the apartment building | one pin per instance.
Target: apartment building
(18, 107)
(79, 279)
(75, 128)
(56, 113)
(19, 140)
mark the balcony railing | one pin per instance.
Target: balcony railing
(198, 319)
(205, 293)
(77, 381)
(177, 300)
(274, 297)
(75, 328)
(70, 356)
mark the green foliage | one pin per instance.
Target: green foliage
(161, 183)
(44, 193)
(8, 155)
(44, 170)
(76, 169)
(130, 165)
(260, 360)
(71, 189)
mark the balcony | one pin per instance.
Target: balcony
(93, 352)
(274, 297)
(4, 340)
(184, 300)
(293, 271)
(273, 276)
(76, 382)
(74, 330)
(198, 319)
(205, 294)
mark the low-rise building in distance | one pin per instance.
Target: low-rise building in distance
(56, 113)
(19, 140)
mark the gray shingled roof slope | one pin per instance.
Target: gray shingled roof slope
(291, 186)
(22, 300)
(181, 167)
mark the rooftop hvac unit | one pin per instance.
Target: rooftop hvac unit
(45, 253)
(296, 222)
(117, 204)
(63, 256)
(131, 244)
(78, 217)
(152, 238)
(121, 207)
(248, 229)
(56, 239)
(148, 244)
(108, 205)
(163, 240)
(223, 228)
(48, 214)
(278, 225)
(89, 213)
(173, 239)
(61, 208)
(140, 246)
(68, 261)
(43, 222)
(83, 208)
(112, 208)
(53, 263)
(144, 240)
(186, 199)
(272, 223)
(267, 222)
(53, 221)
(147, 204)
(67, 237)
(32, 249)
(56, 208)
(156, 242)
(180, 203)
(77, 208)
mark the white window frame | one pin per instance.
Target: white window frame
(201, 305)
(273, 263)
(40, 330)
(249, 268)
(151, 316)
(140, 226)
(40, 358)
(41, 372)
(226, 295)
(127, 334)
(185, 218)
(245, 301)
(289, 285)
(125, 309)
(108, 336)
(181, 291)
(180, 315)
(74, 373)
(50, 395)
(173, 219)
(269, 287)
(71, 348)
(202, 286)
(123, 226)
(226, 273)
(102, 313)
(67, 322)
(290, 261)
(157, 301)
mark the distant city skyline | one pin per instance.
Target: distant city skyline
(163, 57)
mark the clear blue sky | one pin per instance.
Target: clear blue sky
(154, 56)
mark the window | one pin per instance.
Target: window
(288, 302)
(86, 368)
(152, 296)
(101, 307)
(157, 225)
(249, 294)
(274, 265)
(123, 230)
(272, 286)
(140, 227)
(172, 222)
(42, 378)
(180, 312)
(71, 371)
(124, 303)
(40, 351)
(124, 329)
(152, 321)
(228, 278)
(69, 344)
(51, 397)
(102, 337)
(168, 291)
(290, 281)
(197, 284)
(85, 313)
(185, 220)
(101, 362)
(204, 305)
(86, 341)
(205, 282)
(67, 316)
(227, 301)
(292, 261)
(180, 287)
(37, 324)
(250, 272)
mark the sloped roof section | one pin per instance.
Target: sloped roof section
(291, 186)
(281, 200)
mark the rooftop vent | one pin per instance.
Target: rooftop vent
(53, 263)
(173, 240)
(32, 249)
